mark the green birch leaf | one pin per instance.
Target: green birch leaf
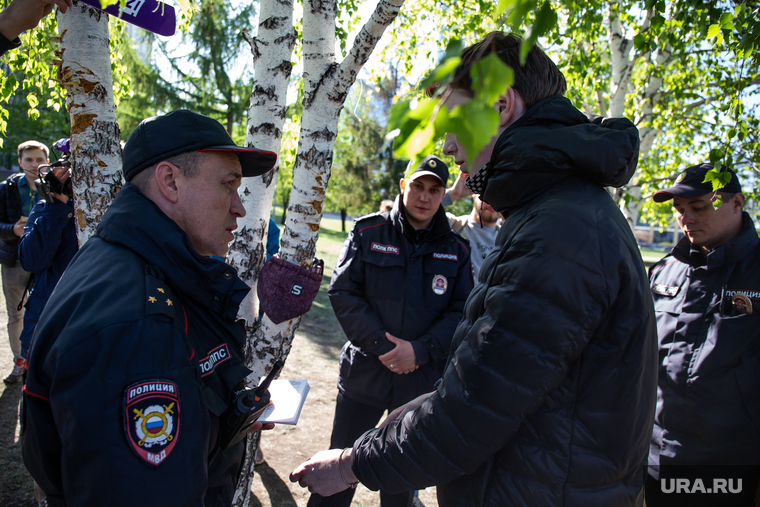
(726, 21)
(715, 157)
(657, 22)
(491, 77)
(502, 6)
(474, 123)
(713, 31)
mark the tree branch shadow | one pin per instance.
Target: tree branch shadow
(278, 491)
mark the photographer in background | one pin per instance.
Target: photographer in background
(18, 194)
(48, 244)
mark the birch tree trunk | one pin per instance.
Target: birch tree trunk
(84, 70)
(271, 50)
(622, 70)
(649, 98)
(326, 85)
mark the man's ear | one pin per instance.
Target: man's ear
(402, 184)
(738, 203)
(166, 175)
(510, 106)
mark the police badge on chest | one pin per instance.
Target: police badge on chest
(440, 284)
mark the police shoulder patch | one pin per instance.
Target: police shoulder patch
(344, 251)
(152, 419)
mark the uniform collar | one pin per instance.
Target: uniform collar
(133, 221)
(731, 252)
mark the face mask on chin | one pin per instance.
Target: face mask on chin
(477, 181)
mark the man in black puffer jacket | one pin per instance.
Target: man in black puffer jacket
(548, 395)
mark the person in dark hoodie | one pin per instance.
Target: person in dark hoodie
(139, 351)
(548, 394)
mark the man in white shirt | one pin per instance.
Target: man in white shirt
(480, 227)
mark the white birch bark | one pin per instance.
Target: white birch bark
(326, 85)
(649, 98)
(84, 70)
(622, 67)
(271, 49)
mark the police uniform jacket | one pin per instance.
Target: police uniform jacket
(414, 289)
(134, 358)
(548, 395)
(708, 394)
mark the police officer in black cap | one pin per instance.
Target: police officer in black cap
(707, 300)
(138, 351)
(398, 291)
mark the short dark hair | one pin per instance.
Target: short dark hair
(537, 80)
(187, 162)
(31, 145)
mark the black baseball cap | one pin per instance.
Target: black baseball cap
(160, 137)
(691, 183)
(429, 166)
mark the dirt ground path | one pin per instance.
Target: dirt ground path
(314, 356)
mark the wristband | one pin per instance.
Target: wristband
(351, 485)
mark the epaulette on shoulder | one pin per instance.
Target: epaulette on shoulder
(371, 220)
(462, 240)
(375, 215)
(159, 299)
(459, 236)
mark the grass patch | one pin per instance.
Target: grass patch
(652, 256)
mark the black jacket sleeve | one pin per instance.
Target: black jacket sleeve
(6, 45)
(358, 319)
(6, 227)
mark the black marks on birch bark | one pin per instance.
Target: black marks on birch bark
(327, 8)
(267, 178)
(254, 253)
(267, 129)
(290, 38)
(324, 134)
(286, 67)
(315, 158)
(311, 96)
(274, 22)
(269, 92)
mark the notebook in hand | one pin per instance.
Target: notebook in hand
(288, 397)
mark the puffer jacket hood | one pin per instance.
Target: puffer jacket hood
(553, 141)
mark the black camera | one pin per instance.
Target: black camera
(48, 183)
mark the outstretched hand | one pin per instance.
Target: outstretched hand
(322, 473)
(22, 15)
(401, 359)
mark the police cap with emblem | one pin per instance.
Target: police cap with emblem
(160, 137)
(691, 183)
(429, 166)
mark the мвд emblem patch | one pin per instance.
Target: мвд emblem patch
(440, 284)
(152, 419)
